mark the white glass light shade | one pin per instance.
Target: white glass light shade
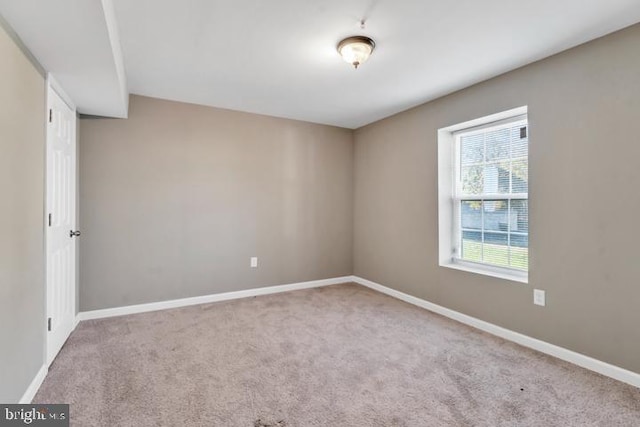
(356, 50)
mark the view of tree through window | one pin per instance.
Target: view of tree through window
(493, 195)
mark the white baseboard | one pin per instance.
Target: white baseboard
(33, 388)
(183, 302)
(581, 360)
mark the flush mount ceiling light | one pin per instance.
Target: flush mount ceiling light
(356, 50)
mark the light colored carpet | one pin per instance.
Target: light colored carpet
(336, 356)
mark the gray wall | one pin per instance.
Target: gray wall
(22, 144)
(177, 198)
(584, 110)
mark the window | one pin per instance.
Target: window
(486, 195)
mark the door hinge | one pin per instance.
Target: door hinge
(50, 115)
(49, 220)
(49, 324)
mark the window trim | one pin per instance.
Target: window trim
(449, 194)
(489, 270)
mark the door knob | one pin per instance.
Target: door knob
(74, 233)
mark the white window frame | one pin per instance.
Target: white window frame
(449, 192)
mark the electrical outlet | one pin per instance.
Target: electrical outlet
(254, 262)
(539, 297)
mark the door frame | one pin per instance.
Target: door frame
(53, 85)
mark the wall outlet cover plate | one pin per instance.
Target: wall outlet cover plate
(539, 297)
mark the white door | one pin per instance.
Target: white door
(60, 220)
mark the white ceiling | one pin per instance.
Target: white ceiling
(77, 42)
(278, 57)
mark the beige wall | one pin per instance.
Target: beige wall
(584, 110)
(22, 144)
(177, 198)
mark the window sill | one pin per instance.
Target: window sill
(487, 271)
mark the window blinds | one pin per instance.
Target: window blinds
(492, 181)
